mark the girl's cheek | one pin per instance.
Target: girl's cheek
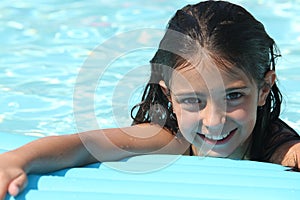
(188, 125)
(240, 115)
(243, 115)
(187, 121)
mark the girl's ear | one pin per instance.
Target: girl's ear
(270, 78)
(165, 89)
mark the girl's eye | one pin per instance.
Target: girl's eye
(191, 104)
(234, 96)
(191, 101)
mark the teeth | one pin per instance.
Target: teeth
(217, 137)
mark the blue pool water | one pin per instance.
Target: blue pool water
(46, 44)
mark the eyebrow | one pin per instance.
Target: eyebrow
(199, 94)
(188, 94)
(237, 88)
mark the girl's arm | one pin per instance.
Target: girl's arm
(288, 154)
(40, 156)
(57, 152)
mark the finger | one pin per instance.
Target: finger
(17, 185)
(3, 190)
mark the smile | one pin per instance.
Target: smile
(218, 139)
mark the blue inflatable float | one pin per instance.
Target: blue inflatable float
(185, 177)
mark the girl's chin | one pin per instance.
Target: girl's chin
(207, 149)
(219, 154)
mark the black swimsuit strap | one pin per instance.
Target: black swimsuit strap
(191, 151)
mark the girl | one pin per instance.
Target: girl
(212, 91)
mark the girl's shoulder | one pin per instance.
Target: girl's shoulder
(281, 130)
(286, 145)
(281, 133)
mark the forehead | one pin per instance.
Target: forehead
(207, 76)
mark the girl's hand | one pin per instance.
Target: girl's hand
(13, 177)
(288, 154)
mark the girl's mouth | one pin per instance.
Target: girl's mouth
(219, 139)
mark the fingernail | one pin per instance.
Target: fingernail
(15, 191)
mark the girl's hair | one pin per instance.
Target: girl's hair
(232, 37)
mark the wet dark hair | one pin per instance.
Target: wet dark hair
(232, 37)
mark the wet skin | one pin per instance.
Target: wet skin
(216, 110)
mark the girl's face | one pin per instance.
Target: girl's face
(216, 111)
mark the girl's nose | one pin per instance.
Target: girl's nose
(212, 116)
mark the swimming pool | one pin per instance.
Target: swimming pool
(45, 45)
